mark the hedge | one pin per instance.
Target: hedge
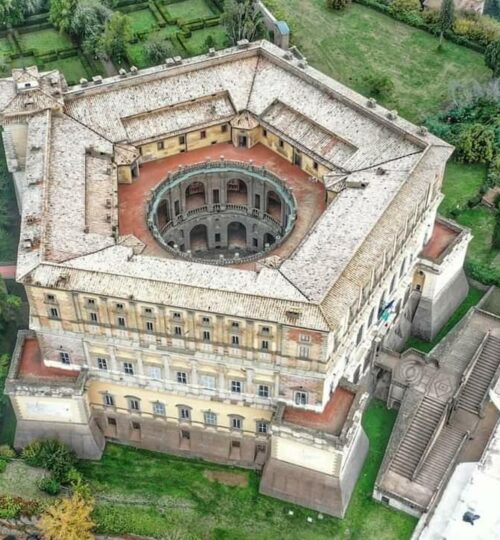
(422, 25)
(157, 15)
(34, 28)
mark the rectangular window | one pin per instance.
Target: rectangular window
(235, 340)
(128, 368)
(206, 335)
(210, 418)
(149, 327)
(205, 321)
(119, 307)
(264, 345)
(262, 427)
(159, 408)
(182, 377)
(184, 413)
(121, 322)
(235, 325)
(90, 302)
(223, 128)
(281, 143)
(315, 165)
(54, 313)
(93, 317)
(305, 338)
(265, 330)
(236, 387)
(136, 426)
(134, 404)
(64, 357)
(300, 398)
(176, 316)
(236, 423)
(203, 134)
(109, 400)
(303, 351)
(207, 381)
(51, 298)
(263, 390)
(154, 372)
(111, 421)
(264, 132)
(182, 139)
(217, 237)
(102, 363)
(215, 197)
(185, 435)
(177, 330)
(160, 145)
(148, 311)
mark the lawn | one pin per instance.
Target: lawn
(196, 43)
(72, 68)
(358, 41)
(151, 494)
(425, 346)
(189, 10)
(142, 20)
(461, 183)
(44, 41)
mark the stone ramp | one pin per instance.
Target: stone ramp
(440, 457)
(476, 387)
(417, 437)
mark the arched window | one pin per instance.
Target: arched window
(403, 267)
(359, 337)
(393, 283)
(370, 318)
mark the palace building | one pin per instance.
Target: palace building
(214, 251)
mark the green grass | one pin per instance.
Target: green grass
(425, 346)
(72, 68)
(357, 41)
(189, 10)
(142, 20)
(461, 183)
(196, 43)
(153, 494)
(44, 41)
(481, 221)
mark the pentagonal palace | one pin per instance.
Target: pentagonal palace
(213, 251)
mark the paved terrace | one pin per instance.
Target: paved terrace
(132, 207)
(443, 236)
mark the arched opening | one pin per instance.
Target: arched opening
(393, 283)
(237, 192)
(273, 205)
(269, 239)
(163, 213)
(370, 318)
(355, 378)
(403, 268)
(195, 196)
(236, 235)
(381, 306)
(198, 238)
(359, 337)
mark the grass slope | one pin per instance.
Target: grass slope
(358, 41)
(153, 494)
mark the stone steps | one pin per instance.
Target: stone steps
(417, 437)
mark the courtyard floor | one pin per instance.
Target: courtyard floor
(132, 198)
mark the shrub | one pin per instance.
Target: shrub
(475, 144)
(49, 485)
(483, 30)
(378, 84)
(157, 49)
(9, 508)
(51, 454)
(496, 233)
(68, 519)
(337, 4)
(7, 452)
(492, 57)
(3, 465)
(407, 11)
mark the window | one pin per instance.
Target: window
(207, 381)
(109, 400)
(64, 357)
(300, 398)
(176, 316)
(359, 337)
(54, 313)
(315, 165)
(128, 368)
(281, 143)
(305, 338)
(159, 408)
(263, 390)
(236, 422)
(265, 330)
(182, 377)
(51, 298)
(236, 387)
(235, 325)
(223, 128)
(264, 345)
(93, 317)
(160, 145)
(210, 418)
(148, 311)
(119, 307)
(184, 413)
(134, 404)
(205, 321)
(264, 132)
(136, 426)
(217, 237)
(303, 351)
(182, 139)
(177, 330)
(235, 340)
(262, 427)
(154, 372)
(111, 421)
(149, 327)
(206, 335)
(102, 363)
(90, 302)
(203, 134)
(185, 434)
(121, 321)
(255, 242)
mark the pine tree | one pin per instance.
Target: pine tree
(446, 18)
(68, 519)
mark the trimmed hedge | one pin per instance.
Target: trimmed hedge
(157, 14)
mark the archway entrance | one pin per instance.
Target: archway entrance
(237, 192)
(273, 206)
(236, 235)
(195, 196)
(198, 238)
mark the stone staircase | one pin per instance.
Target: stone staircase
(480, 378)
(440, 457)
(417, 437)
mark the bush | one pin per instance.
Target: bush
(406, 10)
(3, 465)
(483, 30)
(378, 84)
(49, 485)
(338, 4)
(51, 454)
(475, 144)
(9, 508)
(7, 452)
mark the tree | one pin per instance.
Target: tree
(476, 144)
(209, 42)
(241, 20)
(378, 85)
(116, 34)
(337, 4)
(68, 519)
(9, 305)
(157, 49)
(88, 22)
(61, 13)
(492, 57)
(446, 18)
(15, 11)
